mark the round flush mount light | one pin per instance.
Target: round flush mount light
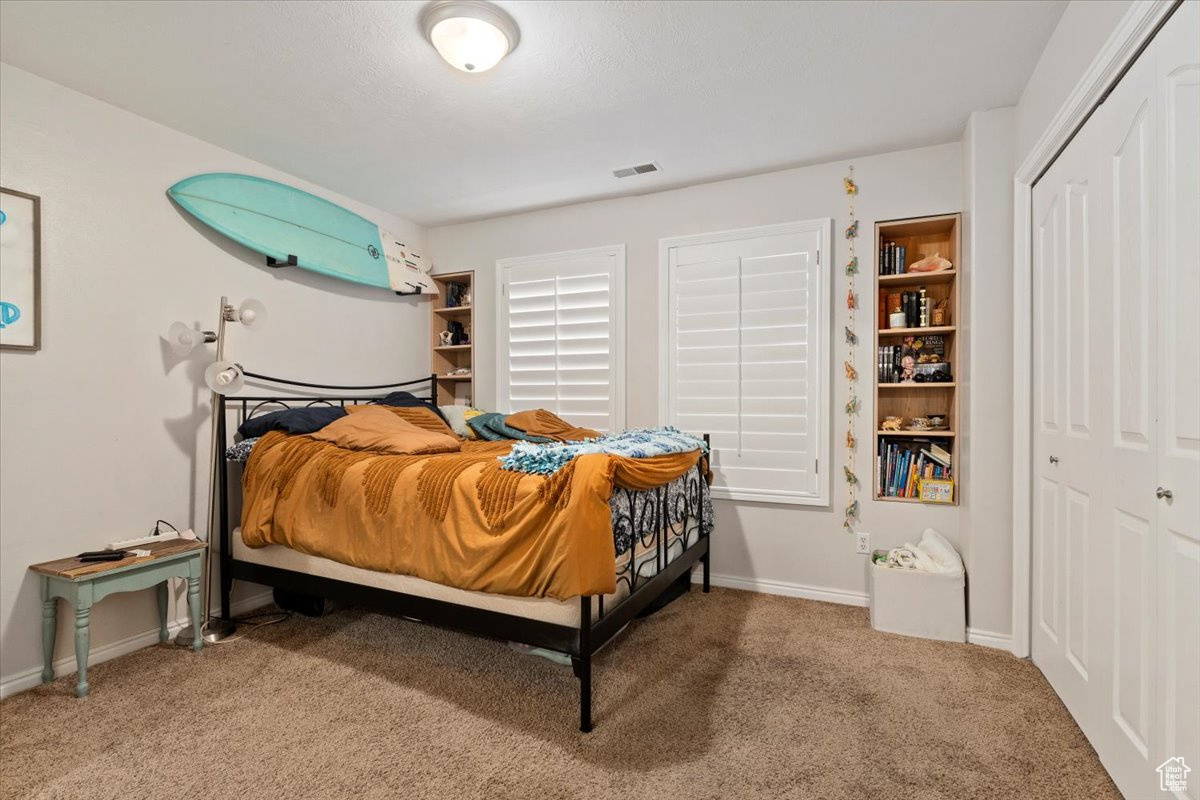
(471, 35)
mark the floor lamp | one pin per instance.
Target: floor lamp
(222, 377)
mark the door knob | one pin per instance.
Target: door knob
(1053, 459)
(1163, 494)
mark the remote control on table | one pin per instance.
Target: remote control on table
(102, 555)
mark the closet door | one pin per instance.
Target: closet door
(1126, 712)
(1116, 569)
(1178, 376)
(1068, 446)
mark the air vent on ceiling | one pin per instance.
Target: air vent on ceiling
(640, 169)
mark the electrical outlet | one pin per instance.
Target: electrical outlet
(862, 543)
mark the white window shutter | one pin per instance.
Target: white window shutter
(747, 357)
(561, 336)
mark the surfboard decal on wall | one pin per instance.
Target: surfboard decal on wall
(281, 221)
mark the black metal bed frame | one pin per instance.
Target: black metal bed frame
(580, 643)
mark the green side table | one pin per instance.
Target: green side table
(82, 584)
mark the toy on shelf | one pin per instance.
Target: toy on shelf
(933, 263)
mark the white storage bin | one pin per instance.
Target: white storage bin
(927, 604)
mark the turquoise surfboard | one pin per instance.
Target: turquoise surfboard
(281, 221)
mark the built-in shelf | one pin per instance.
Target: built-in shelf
(931, 331)
(917, 279)
(919, 434)
(883, 387)
(920, 237)
(456, 287)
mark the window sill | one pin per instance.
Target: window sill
(751, 496)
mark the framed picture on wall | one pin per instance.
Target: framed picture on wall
(20, 270)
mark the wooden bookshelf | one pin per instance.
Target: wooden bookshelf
(455, 311)
(887, 387)
(918, 278)
(926, 331)
(921, 237)
(443, 359)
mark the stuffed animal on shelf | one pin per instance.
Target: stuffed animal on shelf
(446, 338)
(891, 424)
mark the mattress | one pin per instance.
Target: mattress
(558, 612)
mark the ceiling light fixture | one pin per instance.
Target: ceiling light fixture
(471, 35)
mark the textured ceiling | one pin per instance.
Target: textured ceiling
(350, 96)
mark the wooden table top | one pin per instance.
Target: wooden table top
(74, 569)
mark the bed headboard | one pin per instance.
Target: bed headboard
(246, 406)
(306, 394)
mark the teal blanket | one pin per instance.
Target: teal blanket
(546, 459)
(490, 427)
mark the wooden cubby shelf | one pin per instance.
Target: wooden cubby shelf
(918, 434)
(907, 399)
(930, 331)
(918, 278)
(887, 387)
(445, 358)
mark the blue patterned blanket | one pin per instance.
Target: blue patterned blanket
(546, 459)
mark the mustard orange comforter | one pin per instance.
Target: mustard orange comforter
(456, 518)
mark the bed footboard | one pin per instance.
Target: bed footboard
(674, 526)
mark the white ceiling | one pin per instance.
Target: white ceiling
(349, 95)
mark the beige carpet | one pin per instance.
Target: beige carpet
(726, 695)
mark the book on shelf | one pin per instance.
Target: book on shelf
(897, 363)
(892, 258)
(902, 464)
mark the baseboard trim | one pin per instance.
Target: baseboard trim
(1000, 641)
(824, 594)
(27, 679)
(977, 636)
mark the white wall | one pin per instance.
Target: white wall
(1083, 29)
(103, 431)
(773, 546)
(986, 373)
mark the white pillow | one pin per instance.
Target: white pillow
(457, 417)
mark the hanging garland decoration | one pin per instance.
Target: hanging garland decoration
(852, 402)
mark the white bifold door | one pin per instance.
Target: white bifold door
(1116, 408)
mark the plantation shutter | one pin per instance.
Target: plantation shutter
(747, 358)
(561, 342)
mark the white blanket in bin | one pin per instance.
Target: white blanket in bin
(933, 554)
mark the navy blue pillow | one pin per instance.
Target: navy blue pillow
(293, 420)
(407, 400)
